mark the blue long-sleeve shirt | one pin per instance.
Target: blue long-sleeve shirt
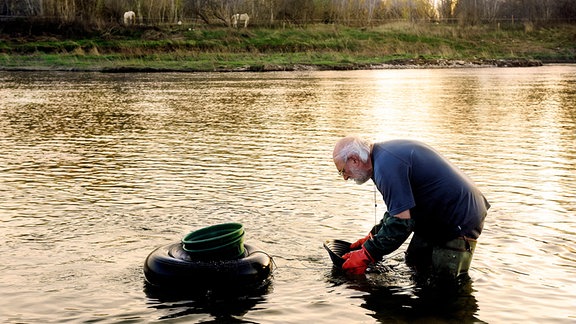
(443, 202)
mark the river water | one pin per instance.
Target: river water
(97, 170)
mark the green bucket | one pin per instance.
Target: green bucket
(217, 242)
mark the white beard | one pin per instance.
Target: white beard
(361, 176)
(361, 181)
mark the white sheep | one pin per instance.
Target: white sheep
(129, 18)
(244, 17)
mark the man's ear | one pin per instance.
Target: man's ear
(354, 159)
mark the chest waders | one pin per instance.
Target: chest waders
(451, 259)
(454, 257)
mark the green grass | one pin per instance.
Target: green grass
(325, 46)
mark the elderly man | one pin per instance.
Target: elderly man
(425, 194)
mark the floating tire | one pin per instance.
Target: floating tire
(172, 267)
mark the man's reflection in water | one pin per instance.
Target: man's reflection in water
(394, 293)
(440, 301)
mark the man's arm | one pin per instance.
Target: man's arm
(404, 215)
(393, 232)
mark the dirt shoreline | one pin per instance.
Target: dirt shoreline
(394, 64)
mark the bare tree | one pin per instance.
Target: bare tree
(491, 8)
(298, 12)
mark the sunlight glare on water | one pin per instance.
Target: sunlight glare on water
(97, 170)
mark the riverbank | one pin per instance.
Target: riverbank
(320, 47)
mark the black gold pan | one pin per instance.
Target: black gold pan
(336, 249)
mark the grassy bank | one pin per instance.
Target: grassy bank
(183, 48)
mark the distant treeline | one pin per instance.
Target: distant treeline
(270, 13)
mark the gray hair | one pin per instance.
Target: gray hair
(354, 145)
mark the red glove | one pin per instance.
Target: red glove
(358, 244)
(357, 261)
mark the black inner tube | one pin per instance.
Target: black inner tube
(172, 266)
